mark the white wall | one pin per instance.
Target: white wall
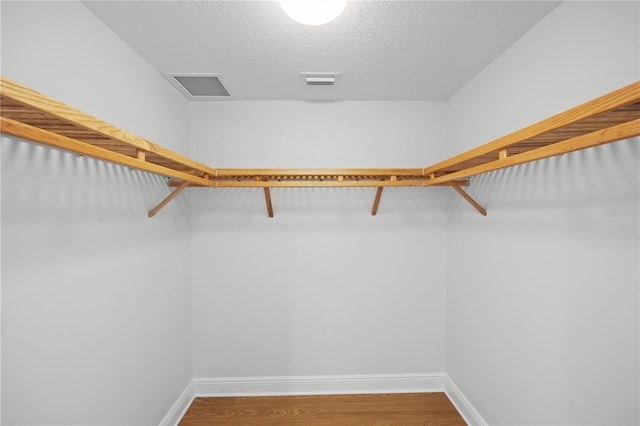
(542, 295)
(323, 287)
(96, 322)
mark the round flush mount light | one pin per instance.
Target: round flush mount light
(313, 12)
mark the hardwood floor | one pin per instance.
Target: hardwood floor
(382, 409)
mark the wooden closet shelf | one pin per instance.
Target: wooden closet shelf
(30, 115)
(609, 118)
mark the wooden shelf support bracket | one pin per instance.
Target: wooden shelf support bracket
(167, 200)
(470, 200)
(267, 197)
(376, 201)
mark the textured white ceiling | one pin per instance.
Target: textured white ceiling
(384, 50)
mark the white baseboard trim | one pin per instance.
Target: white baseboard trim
(462, 404)
(180, 407)
(323, 385)
(319, 385)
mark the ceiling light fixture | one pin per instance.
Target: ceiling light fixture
(313, 12)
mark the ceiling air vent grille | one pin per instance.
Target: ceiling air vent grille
(199, 86)
(320, 78)
(321, 81)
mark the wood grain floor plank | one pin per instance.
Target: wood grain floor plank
(433, 409)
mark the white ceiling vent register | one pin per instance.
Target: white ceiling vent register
(320, 78)
(199, 87)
